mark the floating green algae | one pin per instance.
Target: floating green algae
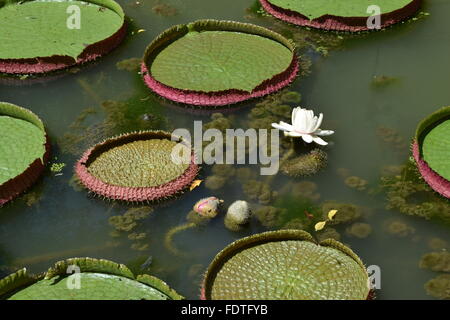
(212, 61)
(40, 28)
(349, 8)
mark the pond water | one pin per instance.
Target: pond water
(63, 221)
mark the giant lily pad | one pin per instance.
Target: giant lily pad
(341, 15)
(213, 63)
(24, 150)
(43, 35)
(93, 280)
(137, 167)
(431, 150)
(286, 265)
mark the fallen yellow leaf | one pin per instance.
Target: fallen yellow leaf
(320, 225)
(331, 214)
(195, 184)
(140, 30)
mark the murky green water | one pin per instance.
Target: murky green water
(66, 222)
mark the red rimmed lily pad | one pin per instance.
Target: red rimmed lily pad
(42, 36)
(431, 150)
(24, 150)
(137, 167)
(348, 15)
(218, 63)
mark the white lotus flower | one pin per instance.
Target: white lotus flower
(305, 125)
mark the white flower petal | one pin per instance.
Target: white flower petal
(301, 121)
(292, 134)
(296, 118)
(320, 141)
(304, 124)
(324, 132)
(288, 126)
(281, 127)
(309, 118)
(285, 123)
(295, 114)
(307, 138)
(319, 122)
(312, 125)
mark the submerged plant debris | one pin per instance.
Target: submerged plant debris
(131, 64)
(439, 287)
(164, 9)
(398, 228)
(436, 261)
(119, 116)
(408, 193)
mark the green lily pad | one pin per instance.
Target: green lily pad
(216, 60)
(436, 146)
(431, 150)
(138, 167)
(349, 8)
(97, 280)
(22, 140)
(286, 265)
(39, 28)
(141, 163)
